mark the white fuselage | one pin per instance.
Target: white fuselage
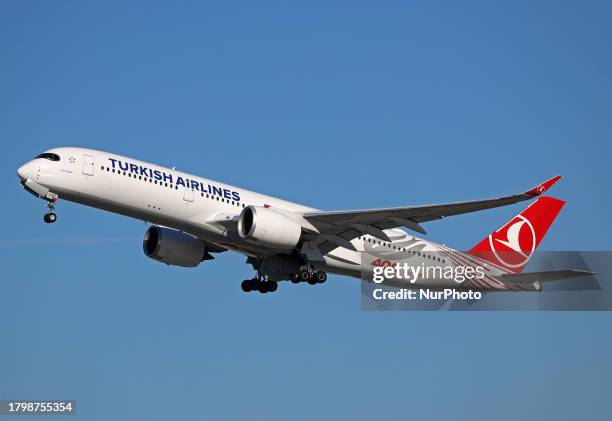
(196, 205)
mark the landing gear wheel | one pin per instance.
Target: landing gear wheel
(304, 276)
(312, 279)
(321, 276)
(50, 217)
(272, 286)
(263, 287)
(246, 285)
(295, 278)
(255, 284)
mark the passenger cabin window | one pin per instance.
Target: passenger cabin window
(49, 156)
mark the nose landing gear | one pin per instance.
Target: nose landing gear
(50, 217)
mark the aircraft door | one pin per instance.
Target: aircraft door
(188, 195)
(88, 164)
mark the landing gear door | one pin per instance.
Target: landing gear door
(88, 164)
(188, 195)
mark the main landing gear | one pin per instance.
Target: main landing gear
(260, 284)
(50, 217)
(313, 278)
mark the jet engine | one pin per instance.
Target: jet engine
(173, 247)
(269, 228)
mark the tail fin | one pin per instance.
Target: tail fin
(512, 245)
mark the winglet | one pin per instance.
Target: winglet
(537, 191)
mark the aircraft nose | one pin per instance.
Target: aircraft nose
(25, 171)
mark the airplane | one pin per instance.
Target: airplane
(194, 217)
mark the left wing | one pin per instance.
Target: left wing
(337, 228)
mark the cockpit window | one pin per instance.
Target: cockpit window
(49, 156)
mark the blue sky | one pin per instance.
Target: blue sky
(337, 105)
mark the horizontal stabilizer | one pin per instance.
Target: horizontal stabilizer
(547, 276)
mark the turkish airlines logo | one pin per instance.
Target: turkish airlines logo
(514, 244)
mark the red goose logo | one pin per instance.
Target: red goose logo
(514, 243)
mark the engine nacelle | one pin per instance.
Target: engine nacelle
(173, 247)
(269, 228)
